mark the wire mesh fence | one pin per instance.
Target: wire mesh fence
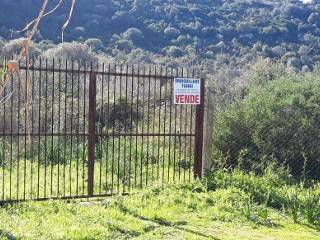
(270, 124)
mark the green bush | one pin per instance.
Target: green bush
(278, 122)
(120, 115)
(263, 189)
(311, 205)
(270, 190)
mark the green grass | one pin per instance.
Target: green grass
(229, 210)
(45, 170)
(61, 180)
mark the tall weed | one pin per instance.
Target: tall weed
(311, 206)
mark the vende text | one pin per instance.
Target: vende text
(195, 99)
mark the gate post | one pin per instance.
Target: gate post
(92, 131)
(198, 151)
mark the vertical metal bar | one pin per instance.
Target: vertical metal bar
(59, 128)
(71, 127)
(108, 114)
(11, 140)
(32, 129)
(170, 123)
(159, 123)
(137, 130)
(84, 129)
(119, 131)
(182, 130)
(4, 140)
(192, 130)
(175, 128)
(183, 147)
(25, 131)
(52, 126)
(101, 119)
(131, 126)
(46, 129)
(183, 139)
(18, 137)
(164, 125)
(113, 132)
(148, 128)
(185, 142)
(199, 133)
(39, 128)
(65, 127)
(125, 131)
(142, 128)
(78, 129)
(92, 131)
(154, 121)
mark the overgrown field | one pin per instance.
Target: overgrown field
(223, 206)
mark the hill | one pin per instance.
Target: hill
(229, 32)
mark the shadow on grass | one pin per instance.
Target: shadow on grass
(163, 222)
(178, 226)
(126, 232)
(312, 226)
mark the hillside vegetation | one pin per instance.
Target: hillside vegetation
(276, 122)
(218, 32)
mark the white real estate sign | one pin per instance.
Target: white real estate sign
(187, 91)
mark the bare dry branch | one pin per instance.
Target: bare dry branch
(65, 25)
(46, 14)
(34, 30)
(13, 66)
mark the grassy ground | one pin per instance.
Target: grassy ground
(66, 180)
(228, 209)
(121, 165)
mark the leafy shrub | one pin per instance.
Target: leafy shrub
(118, 115)
(123, 44)
(95, 44)
(313, 18)
(133, 34)
(13, 47)
(263, 189)
(171, 32)
(174, 51)
(278, 122)
(72, 51)
(57, 152)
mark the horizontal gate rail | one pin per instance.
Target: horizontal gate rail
(34, 134)
(101, 73)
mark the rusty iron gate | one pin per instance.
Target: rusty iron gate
(73, 130)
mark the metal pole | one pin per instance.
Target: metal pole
(92, 131)
(198, 163)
